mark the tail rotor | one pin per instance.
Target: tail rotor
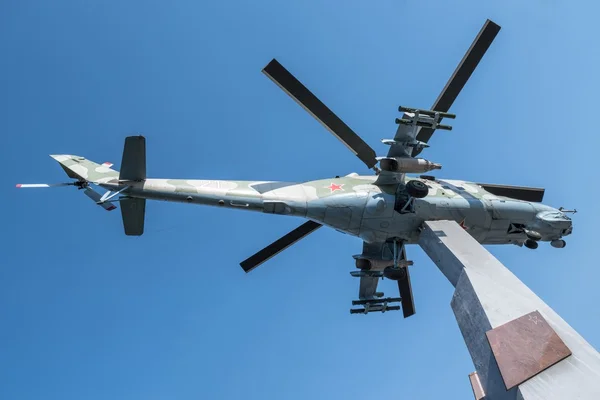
(80, 184)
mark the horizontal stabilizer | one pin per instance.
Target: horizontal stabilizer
(133, 163)
(515, 192)
(80, 168)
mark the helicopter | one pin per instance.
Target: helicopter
(385, 209)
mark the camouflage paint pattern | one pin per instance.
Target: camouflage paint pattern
(352, 204)
(78, 167)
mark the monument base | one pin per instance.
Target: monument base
(520, 347)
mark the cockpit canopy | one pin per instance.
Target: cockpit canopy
(553, 216)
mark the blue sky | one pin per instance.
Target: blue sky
(88, 313)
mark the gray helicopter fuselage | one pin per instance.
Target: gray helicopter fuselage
(355, 206)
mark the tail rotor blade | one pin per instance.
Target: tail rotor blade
(89, 192)
(97, 197)
(42, 185)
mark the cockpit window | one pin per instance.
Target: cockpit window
(554, 215)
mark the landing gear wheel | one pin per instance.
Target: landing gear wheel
(417, 189)
(395, 274)
(531, 244)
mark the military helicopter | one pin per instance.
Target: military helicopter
(385, 209)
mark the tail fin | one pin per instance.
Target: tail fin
(133, 163)
(133, 168)
(80, 168)
(133, 212)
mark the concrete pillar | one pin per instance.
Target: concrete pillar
(520, 347)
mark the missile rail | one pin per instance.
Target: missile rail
(429, 113)
(424, 124)
(375, 305)
(417, 117)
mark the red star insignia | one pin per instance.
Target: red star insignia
(333, 187)
(462, 224)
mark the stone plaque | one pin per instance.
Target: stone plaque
(524, 347)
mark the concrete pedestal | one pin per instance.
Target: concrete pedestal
(520, 347)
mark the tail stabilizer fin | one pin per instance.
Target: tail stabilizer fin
(133, 164)
(133, 212)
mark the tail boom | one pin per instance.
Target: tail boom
(292, 198)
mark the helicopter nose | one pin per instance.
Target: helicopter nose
(556, 221)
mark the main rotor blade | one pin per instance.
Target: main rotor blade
(461, 75)
(406, 294)
(279, 245)
(297, 91)
(41, 185)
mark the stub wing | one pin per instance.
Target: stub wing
(368, 287)
(405, 134)
(399, 147)
(369, 281)
(373, 263)
(400, 159)
(416, 127)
